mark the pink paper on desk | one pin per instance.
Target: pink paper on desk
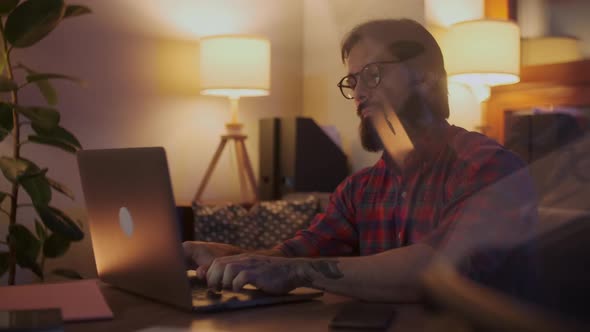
(78, 300)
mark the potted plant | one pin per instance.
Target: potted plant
(23, 24)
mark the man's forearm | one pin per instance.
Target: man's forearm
(389, 276)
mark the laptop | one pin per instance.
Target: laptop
(136, 237)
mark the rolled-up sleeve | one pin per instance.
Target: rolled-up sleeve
(331, 233)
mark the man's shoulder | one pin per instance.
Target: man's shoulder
(468, 142)
(477, 149)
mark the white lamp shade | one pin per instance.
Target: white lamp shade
(483, 52)
(546, 50)
(235, 66)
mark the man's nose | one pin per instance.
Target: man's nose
(361, 94)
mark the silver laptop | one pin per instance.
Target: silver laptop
(136, 236)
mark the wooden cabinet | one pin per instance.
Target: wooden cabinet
(546, 86)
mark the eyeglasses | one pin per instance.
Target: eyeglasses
(370, 75)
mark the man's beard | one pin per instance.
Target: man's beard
(410, 114)
(370, 140)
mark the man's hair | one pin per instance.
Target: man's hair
(390, 33)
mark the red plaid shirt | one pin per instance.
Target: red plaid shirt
(443, 196)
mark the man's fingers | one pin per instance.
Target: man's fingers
(229, 273)
(202, 271)
(243, 278)
(214, 274)
(224, 270)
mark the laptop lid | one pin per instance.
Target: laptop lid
(133, 222)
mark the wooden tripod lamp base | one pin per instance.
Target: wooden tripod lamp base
(234, 66)
(245, 172)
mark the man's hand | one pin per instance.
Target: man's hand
(200, 255)
(274, 275)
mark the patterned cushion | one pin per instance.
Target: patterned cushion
(265, 225)
(280, 220)
(223, 223)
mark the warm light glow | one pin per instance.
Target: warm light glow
(235, 93)
(439, 33)
(190, 19)
(545, 50)
(483, 52)
(490, 79)
(235, 66)
(464, 107)
(447, 12)
(481, 92)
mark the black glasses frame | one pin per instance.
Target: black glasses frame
(353, 76)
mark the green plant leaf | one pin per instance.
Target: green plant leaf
(61, 188)
(35, 183)
(30, 176)
(76, 10)
(6, 120)
(13, 168)
(38, 189)
(56, 245)
(67, 273)
(32, 172)
(27, 247)
(53, 142)
(6, 6)
(59, 133)
(31, 21)
(25, 262)
(40, 230)
(3, 196)
(43, 117)
(6, 84)
(35, 77)
(48, 92)
(59, 222)
(20, 169)
(45, 86)
(3, 263)
(36, 268)
(3, 60)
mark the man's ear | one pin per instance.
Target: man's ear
(426, 82)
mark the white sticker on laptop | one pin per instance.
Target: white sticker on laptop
(125, 221)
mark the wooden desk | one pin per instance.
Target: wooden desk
(135, 313)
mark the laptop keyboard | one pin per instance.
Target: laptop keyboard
(203, 292)
(200, 291)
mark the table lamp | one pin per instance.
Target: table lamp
(234, 66)
(483, 53)
(550, 49)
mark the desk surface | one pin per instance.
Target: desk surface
(135, 313)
